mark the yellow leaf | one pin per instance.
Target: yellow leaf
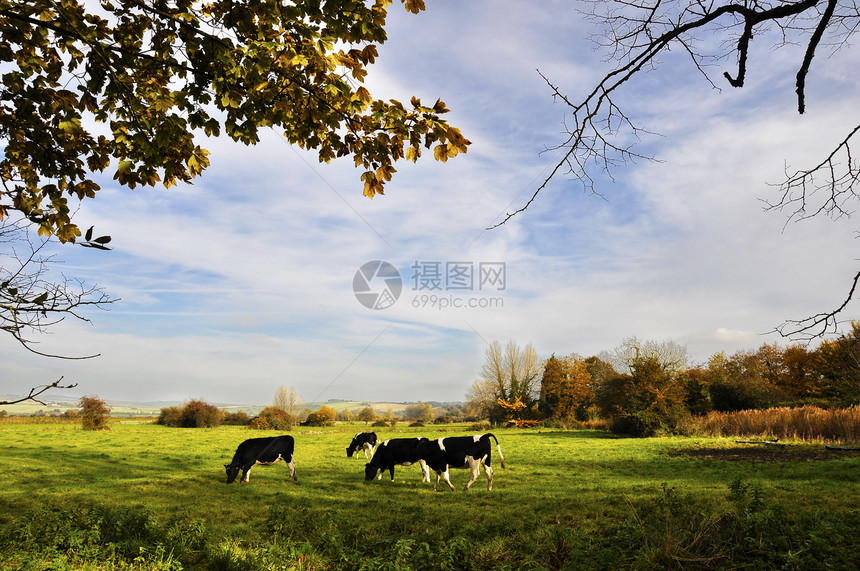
(441, 153)
(412, 154)
(414, 6)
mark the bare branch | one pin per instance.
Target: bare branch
(36, 391)
(819, 324)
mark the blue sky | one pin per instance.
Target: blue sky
(243, 281)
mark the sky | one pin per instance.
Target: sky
(246, 280)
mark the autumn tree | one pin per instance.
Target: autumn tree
(647, 401)
(367, 414)
(722, 36)
(93, 413)
(509, 374)
(130, 87)
(566, 387)
(324, 416)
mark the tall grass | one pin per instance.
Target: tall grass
(807, 423)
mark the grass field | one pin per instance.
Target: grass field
(142, 496)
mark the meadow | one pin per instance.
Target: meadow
(142, 496)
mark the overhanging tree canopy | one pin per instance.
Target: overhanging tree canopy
(129, 84)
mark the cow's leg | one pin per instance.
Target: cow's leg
(246, 473)
(292, 466)
(475, 468)
(364, 448)
(489, 470)
(391, 469)
(446, 478)
(425, 471)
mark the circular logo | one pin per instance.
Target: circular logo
(377, 285)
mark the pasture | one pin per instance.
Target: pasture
(142, 496)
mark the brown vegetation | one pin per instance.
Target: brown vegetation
(807, 423)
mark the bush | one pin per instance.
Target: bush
(169, 416)
(194, 414)
(379, 423)
(239, 418)
(417, 425)
(323, 417)
(94, 413)
(272, 418)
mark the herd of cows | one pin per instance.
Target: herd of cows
(439, 455)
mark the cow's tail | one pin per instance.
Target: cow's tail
(498, 447)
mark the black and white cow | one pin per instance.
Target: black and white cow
(461, 452)
(396, 452)
(262, 451)
(362, 441)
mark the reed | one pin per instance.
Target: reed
(806, 423)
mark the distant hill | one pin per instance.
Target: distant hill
(126, 408)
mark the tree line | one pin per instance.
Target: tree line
(645, 388)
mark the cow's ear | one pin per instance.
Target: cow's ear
(227, 466)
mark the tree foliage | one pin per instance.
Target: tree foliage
(273, 418)
(93, 413)
(131, 86)
(566, 387)
(195, 413)
(324, 416)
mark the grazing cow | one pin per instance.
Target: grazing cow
(362, 441)
(396, 452)
(461, 452)
(261, 451)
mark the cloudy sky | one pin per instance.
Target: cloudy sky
(245, 280)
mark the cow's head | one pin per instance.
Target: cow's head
(370, 471)
(232, 472)
(350, 450)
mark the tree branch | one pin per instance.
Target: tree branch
(36, 391)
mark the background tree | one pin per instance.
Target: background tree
(130, 86)
(647, 401)
(566, 387)
(636, 35)
(288, 400)
(324, 416)
(367, 414)
(508, 374)
(94, 413)
(272, 418)
(671, 356)
(421, 412)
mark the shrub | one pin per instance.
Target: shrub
(417, 425)
(239, 418)
(379, 423)
(443, 420)
(170, 416)
(272, 418)
(200, 414)
(94, 413)
(323, 417)
(194, 414)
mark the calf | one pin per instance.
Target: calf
(396, 452)
(461, 452)
(261, 451)
(362, 441)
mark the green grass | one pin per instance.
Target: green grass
(142, 496)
